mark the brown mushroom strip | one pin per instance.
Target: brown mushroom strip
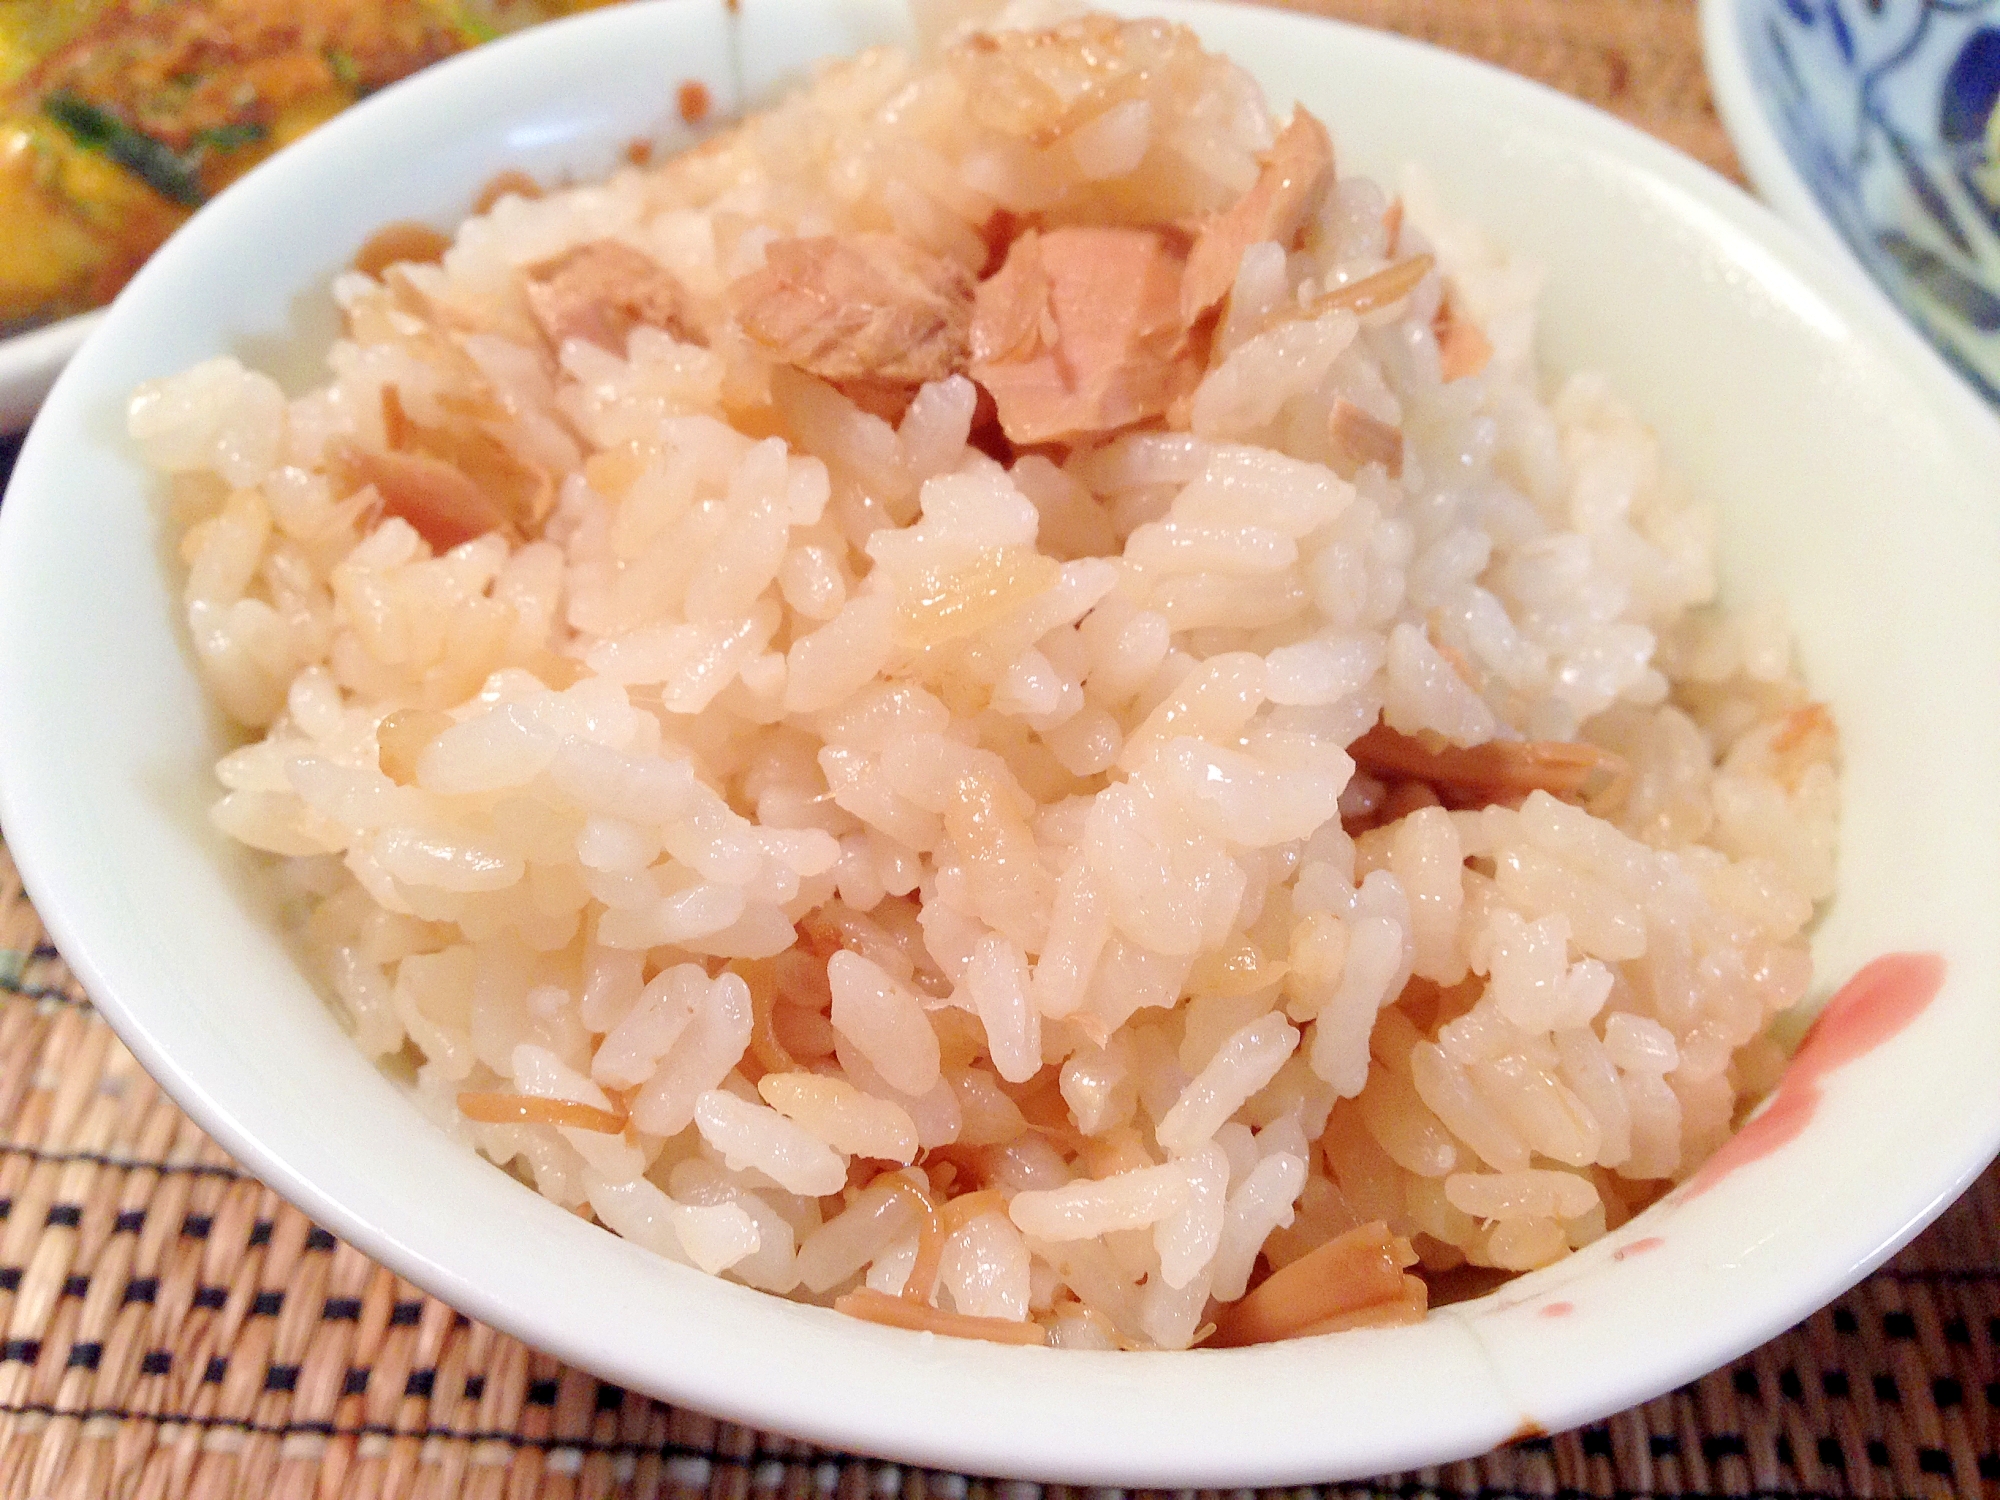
(528, 1109)
(899, 1312)
(1497, 771)
(1374, 291)
(601, 291)
(1274, 208)
(922, 1279)
(857, 307)
(1357, 1272)
(1360, 440)
(395, 244)
(1410, 1307)
(511, 183)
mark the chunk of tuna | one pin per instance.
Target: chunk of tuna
(1275, 208)
(1463, 348)
(1080, 332)
(1360, 439)
(851, 307)
(599, 292)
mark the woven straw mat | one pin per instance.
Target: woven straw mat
(173, 1329)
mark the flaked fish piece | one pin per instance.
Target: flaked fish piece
(1359, 439)
(1080, 332)
(601, 291)
(1463, 348)
(1012, 319)
(452, 482)
(1294, 174)
(444, 506)
(464, 439)
(1497, 771)
(858, 307)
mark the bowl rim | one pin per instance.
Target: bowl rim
(38, 840)
(1764, 157)
(1769, 165)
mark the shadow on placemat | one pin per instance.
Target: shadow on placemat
(173, 1328)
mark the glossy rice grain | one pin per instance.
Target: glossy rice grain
(1021, 723)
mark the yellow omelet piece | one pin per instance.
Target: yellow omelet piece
(120, 117)
(78, 225)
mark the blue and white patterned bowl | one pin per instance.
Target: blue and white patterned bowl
(1865, 122)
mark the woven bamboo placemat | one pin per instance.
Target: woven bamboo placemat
(170, 1328)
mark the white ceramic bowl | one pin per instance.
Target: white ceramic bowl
(1855, 480)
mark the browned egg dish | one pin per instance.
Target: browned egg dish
(119, 118)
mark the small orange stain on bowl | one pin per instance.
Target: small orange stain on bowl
(639, 151)
(1638, 1247)
(1528, 1431)
(1558, 1310)
(693, 101)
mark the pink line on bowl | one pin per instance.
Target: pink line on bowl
(1879, 1001)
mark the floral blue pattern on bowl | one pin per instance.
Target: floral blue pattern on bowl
(1883, 107)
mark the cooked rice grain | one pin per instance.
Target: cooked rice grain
(1273, 793)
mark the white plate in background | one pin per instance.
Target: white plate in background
(30, 362)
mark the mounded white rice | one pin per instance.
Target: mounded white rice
(855, 815)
